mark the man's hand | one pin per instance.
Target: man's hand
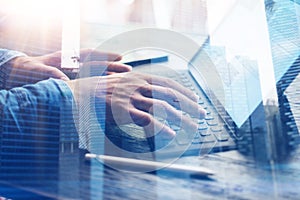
(25, 70)
(142, 99)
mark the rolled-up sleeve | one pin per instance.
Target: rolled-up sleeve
(37, 116)
(5, 56)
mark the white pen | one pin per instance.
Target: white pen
(146, 165)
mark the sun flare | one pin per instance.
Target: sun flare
(42, 9)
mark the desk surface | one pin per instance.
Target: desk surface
(236, 178)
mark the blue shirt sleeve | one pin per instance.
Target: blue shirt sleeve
(37, 118)
(6, 55)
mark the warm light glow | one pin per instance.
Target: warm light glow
(128, 2)
(44, 9)
(217, 10)
(39, 14)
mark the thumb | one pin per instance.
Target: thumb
(56, 73)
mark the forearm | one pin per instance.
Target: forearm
(37, 113)
(90, 99)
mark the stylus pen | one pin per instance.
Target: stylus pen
(73, 72)
(146, 165)
(158, 59)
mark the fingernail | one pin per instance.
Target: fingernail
(64, 78)
(171, 134)
(129, 67)
(202, 113)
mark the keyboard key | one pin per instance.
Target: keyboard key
(203, 130)
(182, 75)
(212, 122)
(201, 121)
(200, 102)
(185, 80)
(175, 127)
(197, 140)
(209, 117)
(208, 112)
(208, 139)
(221, 137)
(216, 129)
(187, 84)
(202, 126)
(171, 75)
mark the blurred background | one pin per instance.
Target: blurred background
(35, 26)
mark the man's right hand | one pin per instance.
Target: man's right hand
(142, 99)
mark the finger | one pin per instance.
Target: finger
(101, 68)
(118, 67)
(96, 55)
(110, 73)
(38, 72)
(150, 124)
(174, 98)
(162, 110)
(109, 66)
(169, 83)
(53, 72)
(53, 59)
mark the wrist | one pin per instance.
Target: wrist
(85, 88)
(17, 62)
(7, 55)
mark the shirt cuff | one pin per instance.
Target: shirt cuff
(7, 55)
(83, 137)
